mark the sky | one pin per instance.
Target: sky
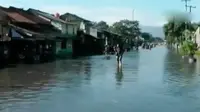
(147, 12)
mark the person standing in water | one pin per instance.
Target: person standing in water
(106, 50)
(119, 53)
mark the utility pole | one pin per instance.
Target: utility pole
(186, 3)
(190, 8)
(186, 6)
(136, 38)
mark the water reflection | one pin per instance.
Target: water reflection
(24, 84)
(92, 84)
(87, 70)
(179, 75)
(34, 83)
(119, 75)
(70, 73)
(132, 66)
(128, 72)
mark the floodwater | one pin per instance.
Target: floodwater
(154, 80)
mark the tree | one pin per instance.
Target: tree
(174, 29)
(146, 36)
(158, 39)
(180, 30)
(102, 25)
(126, 28)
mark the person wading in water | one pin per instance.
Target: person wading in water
(119, 54)
(106, 52)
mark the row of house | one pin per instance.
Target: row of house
(34, 36)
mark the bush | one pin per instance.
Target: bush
(188, 48)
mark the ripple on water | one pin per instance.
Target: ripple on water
(96, 84)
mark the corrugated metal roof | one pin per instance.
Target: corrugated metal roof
(74, 15)
(47, 15)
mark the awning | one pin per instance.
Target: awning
(31, 34)
(65, 36)
(92, 36)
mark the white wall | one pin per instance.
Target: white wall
(82, 27)
(58, 25)
(71, 29)
(93, 32)
(197, 35)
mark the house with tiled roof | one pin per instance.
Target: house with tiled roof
(17, 20)
(69, 31)
(83, 24)
(87, 33)
(33, 41)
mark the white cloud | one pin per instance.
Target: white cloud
(109, 14)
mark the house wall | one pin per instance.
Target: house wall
(93, 32)
(58, 46)
(69, 45)
(64, 52)
(198, 39)
(65, 28)
(3, 31)
(59, 26)
(81, 25)
(71, 29)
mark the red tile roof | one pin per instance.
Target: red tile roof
(29, 15)
(15, 15)
(19, 18)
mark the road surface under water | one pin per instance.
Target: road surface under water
(150, 81)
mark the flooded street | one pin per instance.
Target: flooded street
(150, 81)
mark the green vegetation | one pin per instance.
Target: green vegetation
(128, 30)
(179, 31)
(188, 48)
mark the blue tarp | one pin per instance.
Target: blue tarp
(15, 34)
